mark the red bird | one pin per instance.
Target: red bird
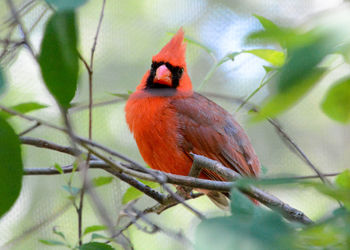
(169, 120)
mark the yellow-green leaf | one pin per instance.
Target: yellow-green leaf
(102, 180)
(52, 242)
(275, 57)
(336, 104)
(94, 228)
(343, 179)
(23, 108)
(133, 193)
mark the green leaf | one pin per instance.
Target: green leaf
(240, 204)
(23, 108)
(102, 180)
(95, 246)
(66, 4)
(303, 59)
(11, 167)
(2, 81)
(95, 236)
(266, 23)
(58, 168)
(59, 58)
(336, 103)
(275, 57)
(72, 190)
(59, 233)
(75, 167)
(268, 69)
(133, 193)
(282, 101)
(271, 33)
(94, 228)
(52, 242)
(343, 179)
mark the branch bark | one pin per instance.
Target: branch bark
(263, 197)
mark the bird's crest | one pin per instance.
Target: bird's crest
(174, 52)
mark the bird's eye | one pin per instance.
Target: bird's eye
(181, 70)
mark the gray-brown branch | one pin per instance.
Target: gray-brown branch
(265, 198)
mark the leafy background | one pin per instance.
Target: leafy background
(132, 32)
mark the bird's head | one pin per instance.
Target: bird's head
(168, 69)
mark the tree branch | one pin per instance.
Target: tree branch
(49, 145)
(265, 198)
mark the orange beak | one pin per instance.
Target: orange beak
(163, 76)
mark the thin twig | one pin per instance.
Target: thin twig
(90, 74)
(300, 153)
(49, 145)
(96, 35)
(31, 128)
(95, 105)
(31, 118)
(21, 27)
(261, 85)
(26, 5)
(38, 20)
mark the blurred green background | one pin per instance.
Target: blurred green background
(132, 32)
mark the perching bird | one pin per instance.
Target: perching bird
(169, 121)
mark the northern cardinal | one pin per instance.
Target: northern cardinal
(169, 120)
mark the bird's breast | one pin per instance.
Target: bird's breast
(154, 124)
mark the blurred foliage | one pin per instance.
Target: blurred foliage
(253, 227)
(2, 81)
(336, 103)
(301, 71)
(11, 167)
(296, 68)
(249, 227)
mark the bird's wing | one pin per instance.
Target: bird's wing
(207, 129)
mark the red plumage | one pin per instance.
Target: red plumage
(169, 120)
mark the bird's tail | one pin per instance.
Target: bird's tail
(219, 199)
